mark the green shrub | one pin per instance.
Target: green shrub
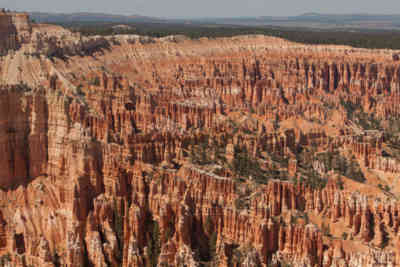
(212, 245)
(349, 168)
(96, 81)
(244, 165)
(344, 236)
(153, 245)
(339, 183)
(79, 90)
(119, 227)
(326, 230)
(240, 204)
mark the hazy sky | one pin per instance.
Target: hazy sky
(207, 8)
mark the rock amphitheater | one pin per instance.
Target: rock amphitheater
(244, 151)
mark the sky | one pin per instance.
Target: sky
(207, 8)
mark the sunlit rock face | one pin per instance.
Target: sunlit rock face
(15, 29)
(243, 151)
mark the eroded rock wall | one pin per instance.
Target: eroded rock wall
(15, 29)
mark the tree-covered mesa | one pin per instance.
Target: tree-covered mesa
(383, 39)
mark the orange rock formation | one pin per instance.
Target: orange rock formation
(243, 151)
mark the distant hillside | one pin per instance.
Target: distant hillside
(316, 20)
(306, 20)
(89, 17)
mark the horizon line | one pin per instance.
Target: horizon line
(203, 17)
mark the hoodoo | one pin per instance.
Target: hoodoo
(15, 29)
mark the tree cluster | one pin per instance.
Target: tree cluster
(383, 39)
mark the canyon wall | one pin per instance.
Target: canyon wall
(14, 30)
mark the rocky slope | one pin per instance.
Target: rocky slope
(244, 151)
